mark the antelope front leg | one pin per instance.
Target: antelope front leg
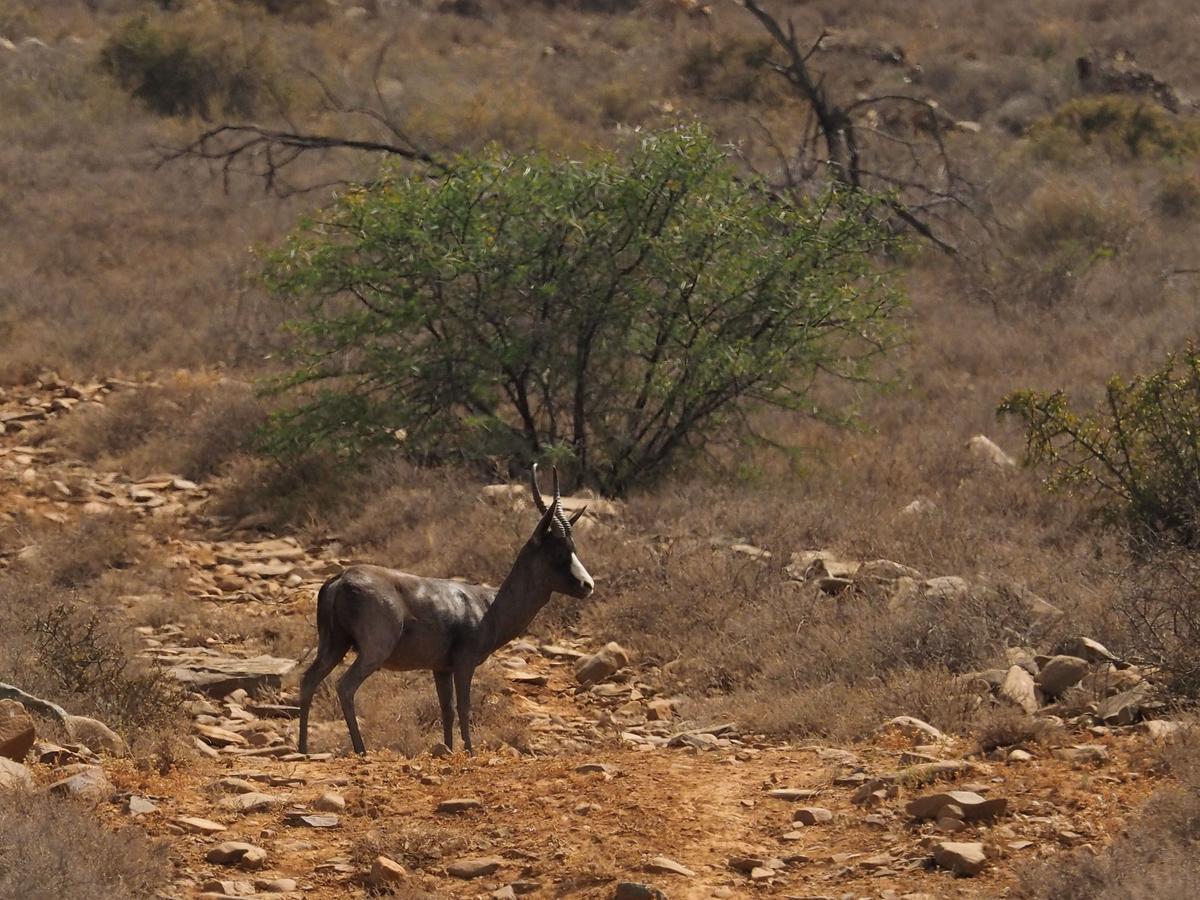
(462, 689)
(445, 692)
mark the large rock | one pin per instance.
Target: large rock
(1018, 688)
(17, 731)
(1092, 651)
(972, 806)
(611, 658)
(1124, 708)
(986, 450)
(634, 890)
(474, 868)
(84, 783)
(220, 676)
(1062, 672)
(237, 853)
(14, 776)
(961, 859)
(913, 728)
(95, 735)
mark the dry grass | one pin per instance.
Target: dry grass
(55, 848)
(1154, 859)
(65, 637)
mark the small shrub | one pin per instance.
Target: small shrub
(1178, 196)
(734, 69)
(1139, 453)
(182, 71)
(1160, 606)
(1075, 222)
(307, 12)
(53, 848)
(1121, 126)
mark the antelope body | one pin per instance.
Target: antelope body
(398, 621)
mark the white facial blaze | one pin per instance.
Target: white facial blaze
(579, 573)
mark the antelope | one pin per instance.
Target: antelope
(402, 622)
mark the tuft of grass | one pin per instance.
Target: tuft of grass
(55, 848)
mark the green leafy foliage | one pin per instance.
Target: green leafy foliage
(615, 314)
(1140, 451)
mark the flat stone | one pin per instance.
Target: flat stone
(1161, 729)
(792, 794)
(965, 859)
(299, 817)
(237, 853)
(665, 864)
(913, 728)
(1124, 708)
(633, 890)
(813, 815)
(220, 676)
(85, 783)
(968, 805)
(199, 826)
(330, 801)
(249, 802)
(588, 768)
(95, 735)
(1088, 649)
(458, 805)
(1082, 754)
(476, 867)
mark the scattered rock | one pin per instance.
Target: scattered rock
(386, 872)
(329, 802)
(1082, 754)
(85, 783)
(601, 665)
(986, 450)
(792, 794)
(237, 853)
(913, 728)
(665, 864)
(249, 802)
(299, 817)
(95, 735)
(969, 806)
(1060, 673)
(1162, 729)
(961, 859)
(459, 804)
(1124, 708)
(14, 776)
(220, 676)
(475, 867)
(1018, 688)
(17, 731)
(1092, 651)
(199, 826)
(633, 890)
(1018, 755)
(139, 806)
(813, 815)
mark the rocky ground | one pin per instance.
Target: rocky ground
(615, 796)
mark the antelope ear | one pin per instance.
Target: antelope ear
(575, 516)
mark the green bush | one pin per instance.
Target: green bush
(1139, 452)
(1122, 126)
(182, 71)
(614, 314)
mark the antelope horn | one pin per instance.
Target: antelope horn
(537, 491)
(560, 521)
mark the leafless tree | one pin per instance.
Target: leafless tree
(891, 142)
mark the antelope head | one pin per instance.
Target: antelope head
(552, 537)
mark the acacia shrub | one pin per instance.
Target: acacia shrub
(615, 314)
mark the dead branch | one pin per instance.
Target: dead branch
(855, 136)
